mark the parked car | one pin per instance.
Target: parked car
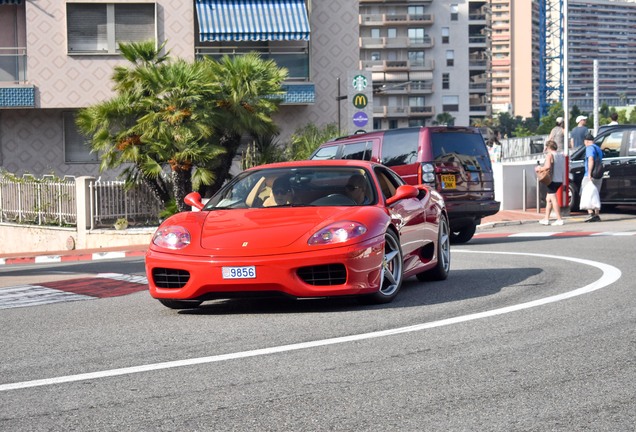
(452, 160)
(618, 144)
(301, 229)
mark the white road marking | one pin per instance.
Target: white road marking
(610, 275)
(33, 295)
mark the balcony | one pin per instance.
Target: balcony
(294, 59)
(402, 111)
(15, 92)
(396, 65)
(398, 42)
(395, 19)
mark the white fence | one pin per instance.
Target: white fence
(54, 202)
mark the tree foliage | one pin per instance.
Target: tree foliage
(179, 123)
(308, 138)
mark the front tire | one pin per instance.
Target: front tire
(180, 304)
(392, 272)
(441, 270)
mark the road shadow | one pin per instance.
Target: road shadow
(460, 285)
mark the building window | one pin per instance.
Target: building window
(391, 33)
(375, 56)
(100, 27)
(416, 122)
(445, 81)
(450, 57)
(416, 10)
(454, 9)
(416, 58)
(416, 101)
(76, 146)
(445, 35)
(393, 124)
(450, 103)
(375, 33)
(416, 35)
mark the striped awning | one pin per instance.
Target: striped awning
(252, 20)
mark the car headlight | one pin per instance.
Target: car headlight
(338, 232)
(171, 237)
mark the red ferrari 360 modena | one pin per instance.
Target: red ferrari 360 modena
(301, 229)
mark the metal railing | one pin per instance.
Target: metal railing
(110, 200)
(32, 201)
(52, 201)
(13, 61)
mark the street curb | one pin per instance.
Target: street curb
(47, 259)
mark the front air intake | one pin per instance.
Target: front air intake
(170, 278)
(323, 275)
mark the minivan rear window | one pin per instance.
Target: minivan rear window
(400, 146)
(448, 144)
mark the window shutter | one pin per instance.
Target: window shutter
(87, 27)
(134, 22)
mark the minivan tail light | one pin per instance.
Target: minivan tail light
(427, 173)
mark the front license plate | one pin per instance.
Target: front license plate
(245, 272)
(449, 181)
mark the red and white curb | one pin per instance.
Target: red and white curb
(46, 259)
(90, 288)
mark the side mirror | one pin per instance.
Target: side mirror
(193, 199)
(403, 192)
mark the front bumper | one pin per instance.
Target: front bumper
(274, 273)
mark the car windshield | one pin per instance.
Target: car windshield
(295, 187)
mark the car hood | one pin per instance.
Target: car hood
(249, 231)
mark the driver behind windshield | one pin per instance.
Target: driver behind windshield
(282, 193)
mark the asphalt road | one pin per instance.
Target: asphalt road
(529, 333)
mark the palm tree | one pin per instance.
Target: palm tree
(162, 116)
(248, 93)
(179, 117)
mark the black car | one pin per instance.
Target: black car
(618, 144)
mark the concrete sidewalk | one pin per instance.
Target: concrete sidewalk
(503, 217)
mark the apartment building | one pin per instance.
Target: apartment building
(602, 30)
(514, 52)
(58, 56)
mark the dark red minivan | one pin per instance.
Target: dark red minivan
(452, 160)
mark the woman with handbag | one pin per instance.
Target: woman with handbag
(555, 164)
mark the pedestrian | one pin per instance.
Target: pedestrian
(614, 117)
(557, 134)
(577, 136)
(555, 163)
(593, 154)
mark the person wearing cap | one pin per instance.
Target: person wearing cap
(557, 134)
(577, 135)
(592, 152)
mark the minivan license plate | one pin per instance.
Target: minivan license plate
(448, 181)
(245, 272)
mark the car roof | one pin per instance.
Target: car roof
(432, 129)
(319, 163)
